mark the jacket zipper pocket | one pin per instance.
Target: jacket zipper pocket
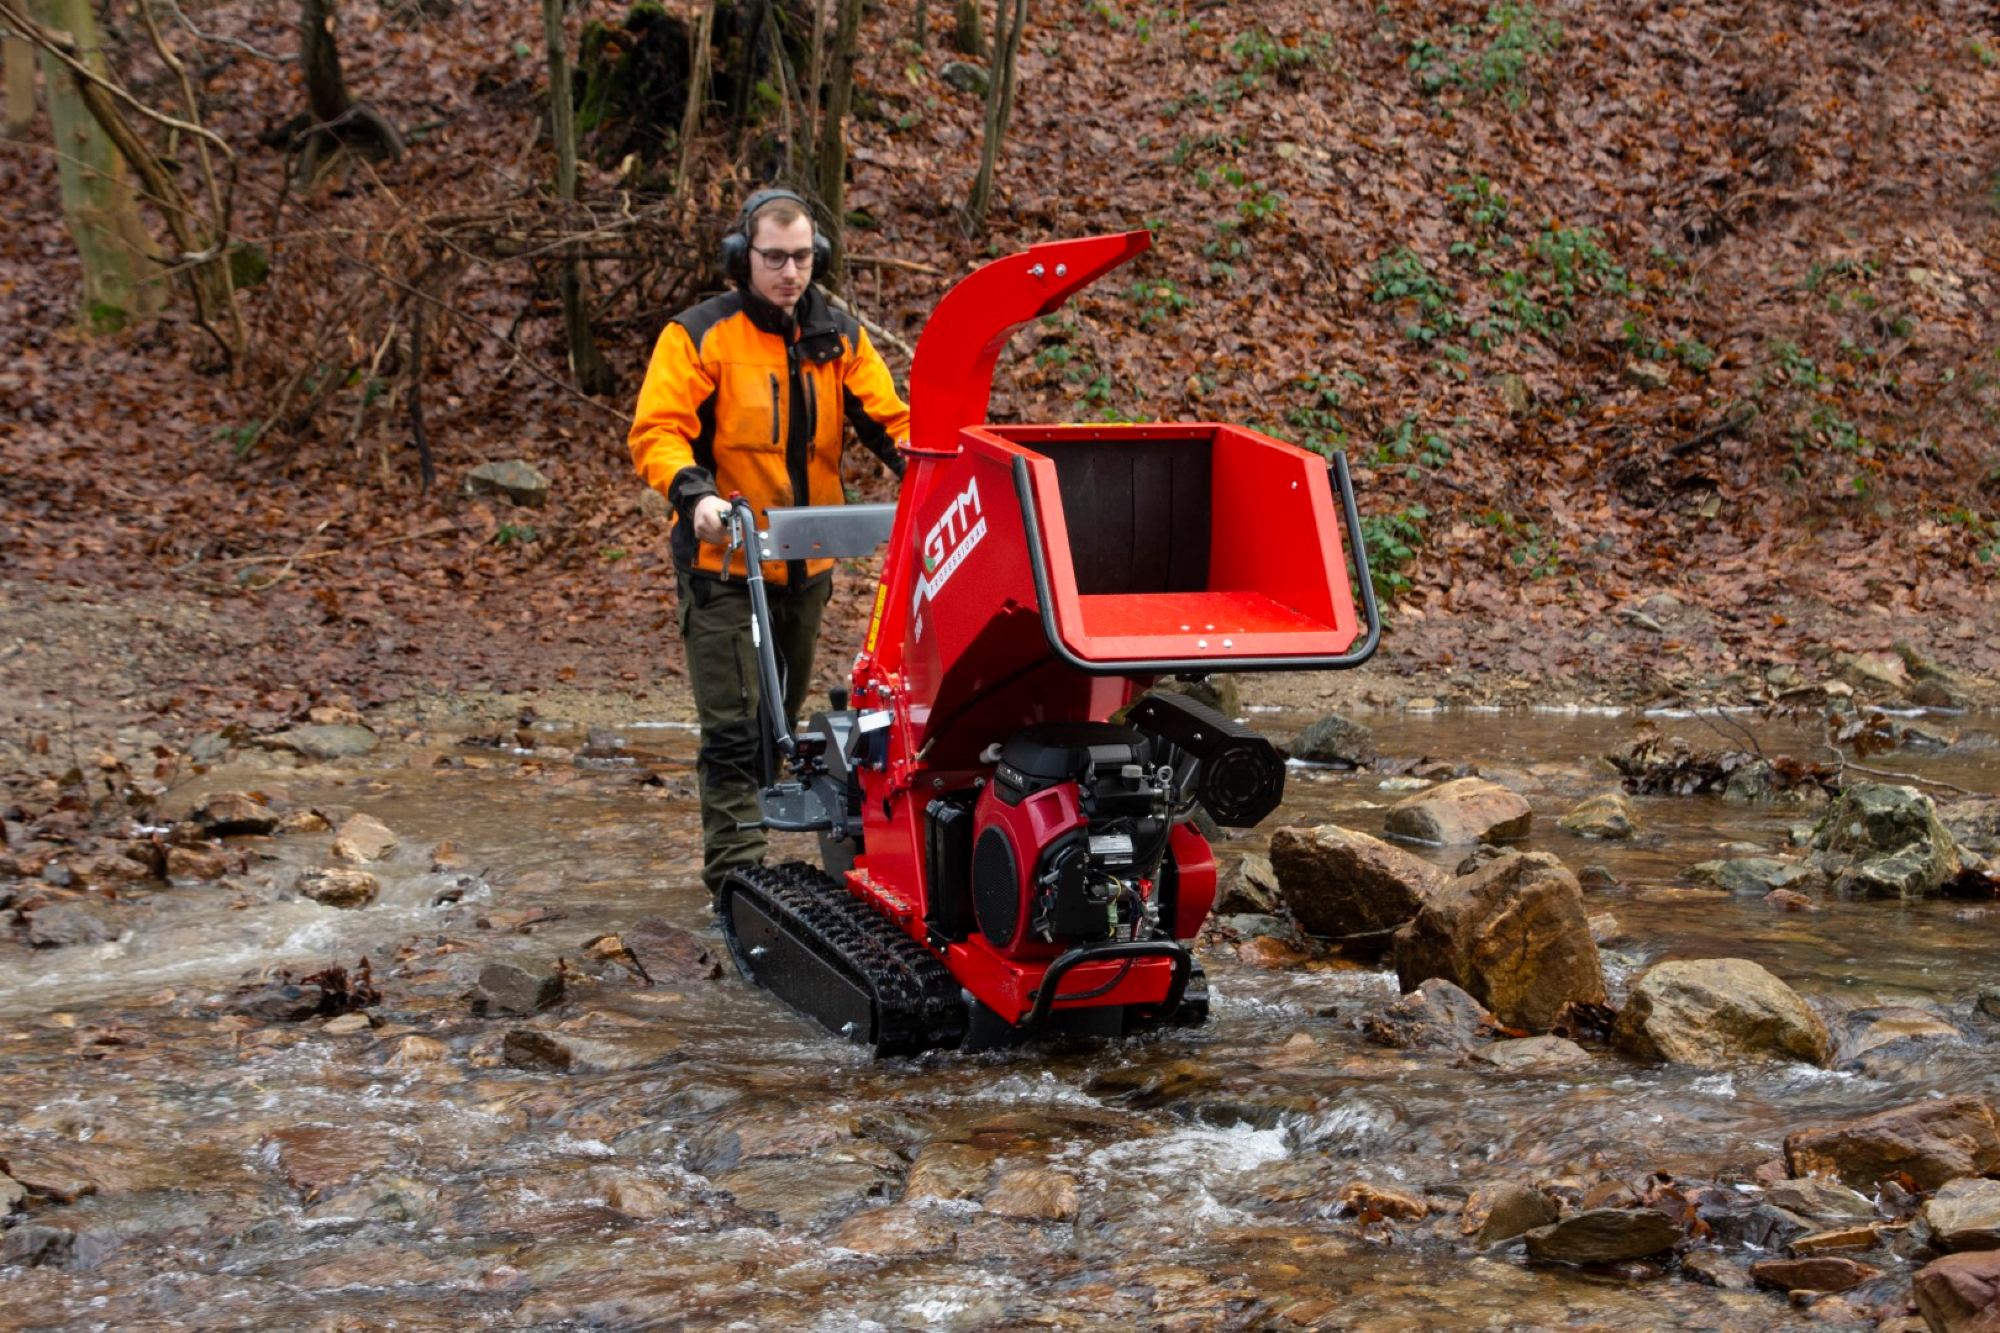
(774, 411)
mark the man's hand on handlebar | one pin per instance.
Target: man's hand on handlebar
(711, 519)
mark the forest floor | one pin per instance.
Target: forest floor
(1664, 345)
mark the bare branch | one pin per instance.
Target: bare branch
(64, 52)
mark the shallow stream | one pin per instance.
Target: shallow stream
(711, 1161)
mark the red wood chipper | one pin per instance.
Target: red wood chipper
(999, 858)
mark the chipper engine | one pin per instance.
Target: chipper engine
(1006, 816)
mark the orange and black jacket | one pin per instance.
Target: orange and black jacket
(741, 396)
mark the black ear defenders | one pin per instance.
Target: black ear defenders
(736, 244)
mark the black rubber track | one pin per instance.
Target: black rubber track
(829, 933)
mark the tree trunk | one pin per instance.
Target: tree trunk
(98, 204)
(20, 59)
(922, 26)
(698, 84)
(593, 373)
(833, 136)
(326, 90)
(999, 109)
(334, 118)
(970, 35)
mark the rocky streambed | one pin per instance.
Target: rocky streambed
(434, 1035)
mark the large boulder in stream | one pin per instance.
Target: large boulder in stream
(1964, 1215)
(1348, 885)
(1513, 934)
(1715, 1012)
(1606, 815)
(1461, 813)
(1975, 822)
(1882, 841)
(1933, 1142)
(1335, 740)
(1604, 1236)
(1960, 1293)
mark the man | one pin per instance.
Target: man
(748, 393)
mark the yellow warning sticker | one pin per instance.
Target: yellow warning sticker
(875, 618)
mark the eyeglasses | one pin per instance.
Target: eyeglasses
(775, 260)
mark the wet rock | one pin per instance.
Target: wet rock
(391, 1198)
(107, 870)
(314, 1159)
(1436, 1015)
(1893, 1037)
(1826, 1272)
(802, 1193)
(415, 1051)
(1785, 900)
(504, 988)
(1881, 841)
(63, 925)
(948, 1171)
(1460, 813)
(1148, 1084)
(1932, 1142)
(965, 76)
(1960, 1293)
(1840, 1238)
(1882, 676)
(568, 1052)
(1974, 823)
(1605, 929)
(642, 1197)
(1369, 1201)
(1513, 935)
(1751, 874)
(667, 954)
(1712, 1269)
(279, 1002)
(1714, 1012)
(1533, 1053)
(1964, 1215)
(363, 838)
(232, 813)
(516, 479)
(1349, 885)
(338, 886)
(194, 863)
(1759, 783)
(1494, 1213)
(1603, 1236)
(895, 1232)
(22, 865)
(1810, 1196)
(446, 859)
(326, 743)
(1608, 815)
(1760, 1226)
(1034, 1193)
(346, 1025)
(37, 1245)
(1596, 877)
(304, 821)
(1336, 740)
(1270, 953)
(1251, 885)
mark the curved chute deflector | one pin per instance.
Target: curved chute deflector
(951, 376)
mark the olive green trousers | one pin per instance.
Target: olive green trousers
(722, 668)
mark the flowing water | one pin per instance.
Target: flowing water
(711, 1161)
